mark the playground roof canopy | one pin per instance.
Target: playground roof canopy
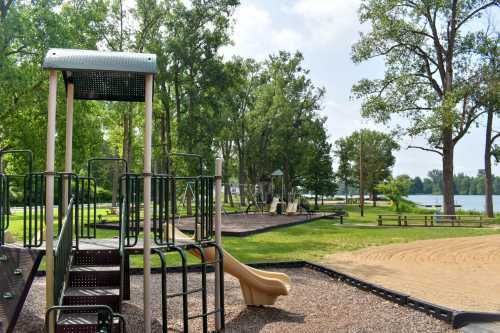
(277, 173)
(99, 75)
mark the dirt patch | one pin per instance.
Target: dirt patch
(317, 304)
(460, 273)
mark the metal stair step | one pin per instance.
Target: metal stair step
(96, 258)
(93, 296)
(94, 276)
(91, 268)
(80, 322)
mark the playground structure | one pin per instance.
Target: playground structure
(85, 286)
(267, 195)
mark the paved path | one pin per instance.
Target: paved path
(482, 328)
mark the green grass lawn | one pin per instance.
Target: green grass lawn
(313, 241)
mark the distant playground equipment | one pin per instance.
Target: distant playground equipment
(277, 192)
(86, 286)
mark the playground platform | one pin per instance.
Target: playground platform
(242, 224)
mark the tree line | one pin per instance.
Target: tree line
(462, 184)
(258, 115)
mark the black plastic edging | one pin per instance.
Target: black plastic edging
(455, 318)
(309, 218)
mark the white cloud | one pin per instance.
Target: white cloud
(251, 32)
(327, 21)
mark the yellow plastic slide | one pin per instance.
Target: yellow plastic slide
(258, 287)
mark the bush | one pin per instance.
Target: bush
(103, 195)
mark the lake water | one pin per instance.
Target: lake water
(468, 202)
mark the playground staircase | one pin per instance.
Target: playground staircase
(94, 280)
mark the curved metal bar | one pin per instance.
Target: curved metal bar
(204, 304)
(186, 155)
(121, 321)
(109, 159)
(87, 308)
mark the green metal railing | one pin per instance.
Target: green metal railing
(165, 213)
(86, 192)
(131, 187)
(187, 315)
(124, 267)
(3, 208)
(105, 317)
(33, 209)
(62, 253)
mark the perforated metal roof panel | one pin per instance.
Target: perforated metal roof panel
(98, 75)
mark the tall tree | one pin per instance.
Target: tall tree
(488, 96)
(428, 53)
(377, 157)
(345, 171)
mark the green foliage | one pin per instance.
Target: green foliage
(260, 116)
(377, 158)
(463, 184)
(396, 189)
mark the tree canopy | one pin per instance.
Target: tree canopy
(259, 115)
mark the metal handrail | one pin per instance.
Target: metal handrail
(104, 325)
(62, 253)
(3, 207)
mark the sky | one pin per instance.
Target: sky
(324, 31)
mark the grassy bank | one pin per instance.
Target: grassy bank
(317, 239)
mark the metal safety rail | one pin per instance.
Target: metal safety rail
(132, 187)
(105, 317)
(3, 208)
(166, 213)
(34, 204)
(86, 191)
(124, 258)
(199, 251)
(34, 209)
(62, 253)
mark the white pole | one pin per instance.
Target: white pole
(148, 119)
(218, 237)
(68, 158)
(49, 193)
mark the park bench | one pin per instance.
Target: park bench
(112, 211)
(458, 220)
(389, 219)
(430, 220)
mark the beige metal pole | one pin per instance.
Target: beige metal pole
(49, 192)
(68, 158)
(148, 119)
(218, 237)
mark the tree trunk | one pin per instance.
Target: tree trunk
(374, 198)
(488, 178)
(361, 178)
(448, 193)
(177, 95)
(127, 136)
(316, 201)
(114, 191)
(165, 129)
(189, 200)
(241, 172)
(286, 181)
(346, 190)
